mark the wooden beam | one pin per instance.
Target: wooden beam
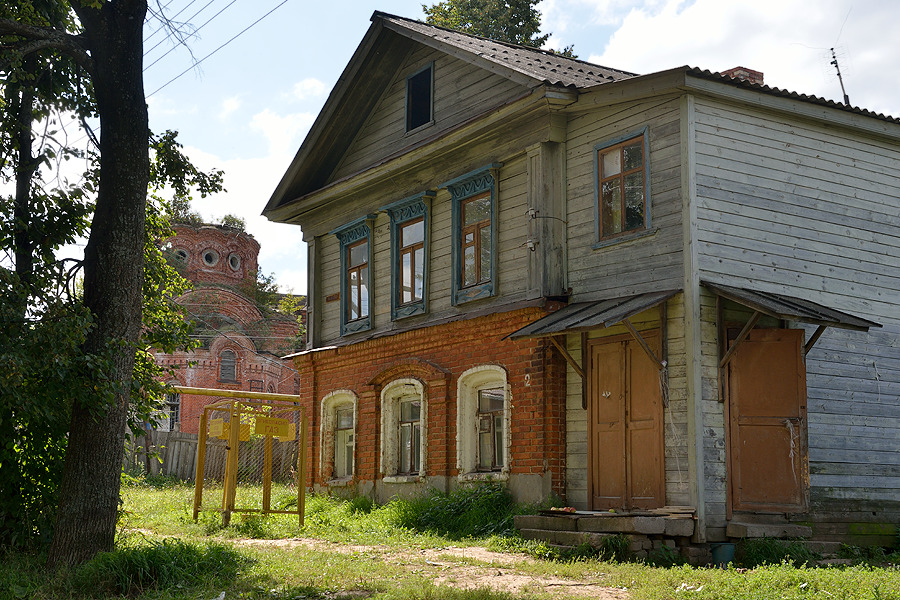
(640, 340)
(815, 338)
(740, 338)
(569, 358)
(234, 393)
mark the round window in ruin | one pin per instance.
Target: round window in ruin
(181, 255)
(234, 261)
(210, 257)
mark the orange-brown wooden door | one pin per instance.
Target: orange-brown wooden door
(767, 420)
(626, 467)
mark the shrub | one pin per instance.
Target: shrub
(769, 551)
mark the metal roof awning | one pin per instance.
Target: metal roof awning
(583, 316)
(789, 308)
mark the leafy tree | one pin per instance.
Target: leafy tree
(235, 222)
(102, 39)
(513, 21)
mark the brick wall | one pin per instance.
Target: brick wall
(436, 356)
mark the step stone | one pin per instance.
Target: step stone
(760, 530)
(679, 527)
(545, 522)
(623, 524)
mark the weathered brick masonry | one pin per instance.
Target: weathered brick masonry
(436, 356)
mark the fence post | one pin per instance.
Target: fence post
(201, 462)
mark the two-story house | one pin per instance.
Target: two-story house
(675, 289)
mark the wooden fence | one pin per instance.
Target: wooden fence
(174, 454)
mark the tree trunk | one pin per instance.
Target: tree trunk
(113, 272)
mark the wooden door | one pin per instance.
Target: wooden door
(625, 425)
(767, 421)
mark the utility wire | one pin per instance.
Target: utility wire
(175, 47)
(283, 2)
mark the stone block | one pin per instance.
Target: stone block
(623, 524)
(759, 530)
(679, 527)
(545, 522)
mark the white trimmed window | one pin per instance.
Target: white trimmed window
(482, 423)
(338, 435)
(403, 431)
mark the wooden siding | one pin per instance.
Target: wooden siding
(675, 434)
(646, 264)
(512, 265)
(813, 211)
(461, 91)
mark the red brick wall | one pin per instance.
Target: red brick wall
(437, 356)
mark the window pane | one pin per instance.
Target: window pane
(417, 447)
(634, 201)
(485, 254)
(477, 210)
(498, 440)
(227, 366)
(469, 274)
(419, 273)
(611, 205)
(634, 154)
(353, 289)
(364, 292)
(406, 277)
(344, 418)
(485, 449)
(359, 254)
(611, 163)
(405, 448)
(490, 400)
(410, 410)
(418, 99)
(343, 453)
(412, 233)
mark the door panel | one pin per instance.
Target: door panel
(767, 395)
(625, 418)
(607, 426)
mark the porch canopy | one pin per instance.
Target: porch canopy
(786, 308)
(584, 316)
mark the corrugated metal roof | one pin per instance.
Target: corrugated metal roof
(791, 309)
(706, 74)
(540, 65)
(582, 316)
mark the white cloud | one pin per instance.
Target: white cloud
(282, 132)
(309, 88)
(229, 106)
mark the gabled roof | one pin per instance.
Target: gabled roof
(538, 65)
(372, 68)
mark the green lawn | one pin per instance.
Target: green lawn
(423, 549)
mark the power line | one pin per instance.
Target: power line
(175, 47)
(242, 32)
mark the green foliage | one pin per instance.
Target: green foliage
(512, 21)
(158, 566)
(235, 222)
(293, 306)
(262, 290)
(665, 556)
(471, 511)
(770, 551)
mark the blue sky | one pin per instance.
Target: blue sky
(247, 108)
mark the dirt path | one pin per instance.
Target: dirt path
(460, 567)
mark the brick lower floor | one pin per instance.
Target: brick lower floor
(487, 408)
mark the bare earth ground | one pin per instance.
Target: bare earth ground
(467, 568)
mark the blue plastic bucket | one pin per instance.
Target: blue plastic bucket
(722, 554)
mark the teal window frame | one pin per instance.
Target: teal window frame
(461, 189)
(401, 213)
(349, 235)
(600, 240)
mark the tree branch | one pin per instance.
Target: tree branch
(40, 38)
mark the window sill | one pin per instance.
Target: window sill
(419, 128)
(342, 482)
(475, 292)
(621, 239)
(403, 479)
(483, 476)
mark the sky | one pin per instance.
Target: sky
(248, 104)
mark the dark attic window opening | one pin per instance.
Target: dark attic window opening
(418, 99)
(234, 261)
(210, 257)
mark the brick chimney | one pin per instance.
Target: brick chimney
(745, 74)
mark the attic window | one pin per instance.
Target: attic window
(419, 98)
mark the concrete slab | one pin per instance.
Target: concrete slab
(545, 522)
(623, 524)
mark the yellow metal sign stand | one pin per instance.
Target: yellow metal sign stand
(251, 403)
